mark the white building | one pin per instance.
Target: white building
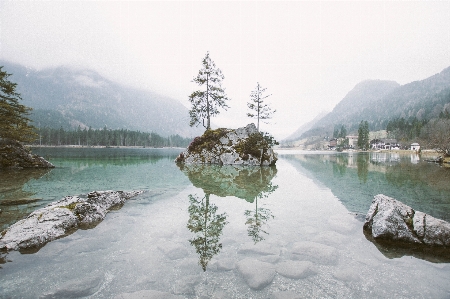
(415, 146)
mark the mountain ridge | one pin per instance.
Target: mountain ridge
(69, 97)
(379, 101)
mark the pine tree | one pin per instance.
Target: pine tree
(14, 122)
(363, 135)
(206, 103)
(257, 106)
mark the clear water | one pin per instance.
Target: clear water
(154, 241)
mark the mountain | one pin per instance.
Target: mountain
(68, 98)
(305, 127)
(379, 101)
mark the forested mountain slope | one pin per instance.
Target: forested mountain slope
(378, 102)
(68, 98)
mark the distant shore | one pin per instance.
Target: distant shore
(97, 146)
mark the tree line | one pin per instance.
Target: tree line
(106, 137)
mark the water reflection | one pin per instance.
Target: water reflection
(391, 250)
(356, 177)
(257, 218)
(207, 226)
(239, 181)
(250, 183)
(15, 199)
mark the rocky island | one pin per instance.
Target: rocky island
(242, 146)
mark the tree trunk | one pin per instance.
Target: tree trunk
(208, 123)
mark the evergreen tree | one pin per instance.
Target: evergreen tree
(257, 106)
(206, 103)
(14, 122)
(363, 135)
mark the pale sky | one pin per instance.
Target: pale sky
(308, 54)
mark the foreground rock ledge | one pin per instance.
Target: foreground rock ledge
(242, 146)
(61, 218)
(389, 219)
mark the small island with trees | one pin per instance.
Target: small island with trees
(242, 146)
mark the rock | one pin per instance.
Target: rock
(347, 274)
(273, 259)
(287, 295)
(75, 288)
(243, 146)
(315, 252)
(389, 219)
(148, 294)
(256, 274)
(295, 269)
(259, 248)
(186, 285)
(15, 155)
(225, 264)
(61, 218)
(173, 251)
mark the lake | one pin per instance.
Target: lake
(290, 231)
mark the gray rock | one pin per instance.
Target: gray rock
(257, 274)
(61, 218)
(295, 269)
(315, 252)
(389, 219)
(224, 147)
(75, 288)
(148, 294)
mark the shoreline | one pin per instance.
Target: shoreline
(100, 146)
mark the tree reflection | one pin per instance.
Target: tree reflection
(246, 182)
(362, 162)
(207, 226)
(258, 217)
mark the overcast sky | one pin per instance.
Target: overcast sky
(307, 54)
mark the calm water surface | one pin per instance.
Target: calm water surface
(220, 219)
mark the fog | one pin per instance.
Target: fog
(307, 54)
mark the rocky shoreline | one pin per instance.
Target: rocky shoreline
(14, 155)
(61, 218)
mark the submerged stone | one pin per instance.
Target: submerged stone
(296, 269)
(257, 274)
(315, 252)
(148, 294)
(76, 288)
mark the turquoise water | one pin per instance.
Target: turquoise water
(253, 230)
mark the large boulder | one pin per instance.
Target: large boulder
(389, 219)
(242, 146)
(61, 218)
(15, 155)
